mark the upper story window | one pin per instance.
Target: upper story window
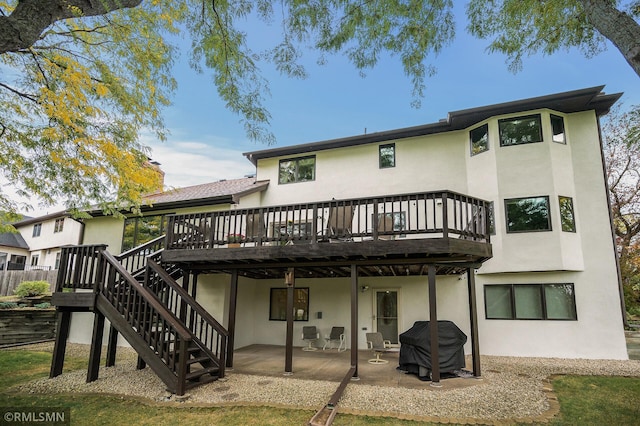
(301, 169)
(387, 155)
(59, 225)
(139, 230)
(479, 139)
(520, 130)
(37, 229)
(528, 214)
(557, 128)
(567, 218)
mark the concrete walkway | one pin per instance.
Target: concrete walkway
(633, 343)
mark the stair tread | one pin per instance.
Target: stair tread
(201, 372)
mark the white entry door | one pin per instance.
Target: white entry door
(386, 314)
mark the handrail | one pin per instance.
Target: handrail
(208, 333)
(416, 215)
(134, 260)
(80, 267)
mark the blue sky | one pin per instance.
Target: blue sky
(206, 141)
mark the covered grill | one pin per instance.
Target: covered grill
(415, 349)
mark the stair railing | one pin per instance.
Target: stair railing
(135, 260)
(207, 333)
(160, 329)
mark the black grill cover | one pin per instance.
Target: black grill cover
(415, 349)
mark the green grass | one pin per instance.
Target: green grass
(583, 401)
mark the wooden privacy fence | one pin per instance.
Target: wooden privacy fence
(9, 280)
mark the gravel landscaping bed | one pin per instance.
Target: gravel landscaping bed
(511, 388)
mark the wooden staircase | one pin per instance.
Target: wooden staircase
(172, 334)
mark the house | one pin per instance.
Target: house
(13, 251)
(496, 219)
(43, 238)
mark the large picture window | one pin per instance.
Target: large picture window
(139, 230)
(530, 301)
(528, 214)
(479, 139)
(278, 304)
(520, 130)
(301, 169)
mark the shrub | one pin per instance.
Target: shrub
(32, 288)
(8, 305)
(45, 305)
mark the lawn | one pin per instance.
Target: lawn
(583, 400)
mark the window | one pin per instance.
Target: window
(557, 127)
(530, 301)
(395, 221)
(278, 304)
(528, 214)
(57, 264)
(387, 155)
(37, 228)
(520, 130)
(297, 170)
(567, 218)
(3, 260)
(34, 259)
(139, 230)
(479, 139)
(492, 217)
(59, 225)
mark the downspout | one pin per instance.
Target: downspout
(623, 307)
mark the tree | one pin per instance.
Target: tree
(82, 78)
(621, 136)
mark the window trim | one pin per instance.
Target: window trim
(380, 148)
(297, 168)
(542, 287)
(273, 290)
(506, 215)
(538, 117)
(486, 125)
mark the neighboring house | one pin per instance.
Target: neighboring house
(13, 251)
(45, 235)
(496, 218)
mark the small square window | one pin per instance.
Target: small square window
(479, 139)
(567, 217)
(528, 214)
(557, 127)
(520, 130)
(278, 304)
(387, 157)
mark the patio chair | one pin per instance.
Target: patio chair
(339, 222)
(310, 335)
(379, 346)
(336, 335)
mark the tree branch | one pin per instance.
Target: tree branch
(24, 26)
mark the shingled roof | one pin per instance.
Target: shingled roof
(223, 191)
(11, 239)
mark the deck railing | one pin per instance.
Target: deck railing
(443, 214)
(135, 260)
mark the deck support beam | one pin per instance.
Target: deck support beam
(290, 281)
(96, 347)
(433, 328)
(60, 346)
(473, 318)
(231, 322)
(354, 320)
(112, 346)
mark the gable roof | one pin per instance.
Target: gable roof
(220, 192)
(31, 220)
(567, 102)
(11, 239)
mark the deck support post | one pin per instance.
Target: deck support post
(433, 328)
(60, 346)
(473, 318)
(96, 347)
(290, 281)
(354, 320)
(112, 346)
(231, 323)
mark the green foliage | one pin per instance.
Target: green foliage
(8, 305)
(31, 288)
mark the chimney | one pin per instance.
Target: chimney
(156, 166)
